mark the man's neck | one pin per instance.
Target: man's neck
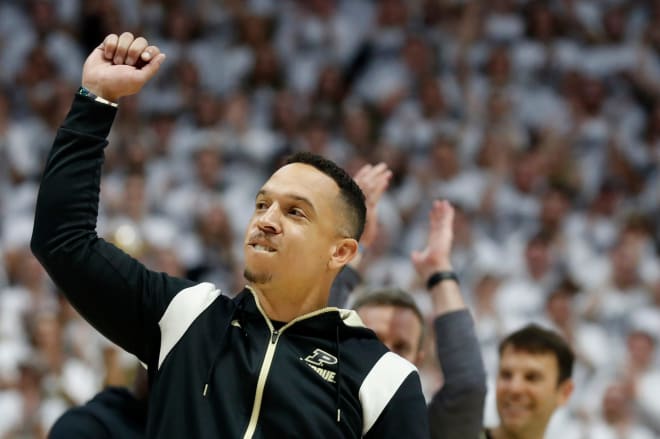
(284, 306)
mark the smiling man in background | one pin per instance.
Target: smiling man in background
(534, 379)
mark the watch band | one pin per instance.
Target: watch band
(440, 276)
(82, 91)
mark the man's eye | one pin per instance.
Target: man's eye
(297, 212)
(260, 205)
(533, 377)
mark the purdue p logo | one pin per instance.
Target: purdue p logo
(321, 357)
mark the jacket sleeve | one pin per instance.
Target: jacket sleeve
(456, 410)
(404, 415)
(114, 292)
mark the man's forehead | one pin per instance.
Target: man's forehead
(381, 313)
(298, 169)
(303, 177)
(391, 315)
(304, 184)
(512, 357)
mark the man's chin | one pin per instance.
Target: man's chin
(256, 277)
(514, 424)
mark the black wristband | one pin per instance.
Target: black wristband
(440, 276)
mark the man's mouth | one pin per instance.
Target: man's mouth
(262, 248)
(516, 409)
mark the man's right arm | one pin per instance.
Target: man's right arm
(116, 293)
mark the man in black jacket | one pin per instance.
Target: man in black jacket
(274, 361)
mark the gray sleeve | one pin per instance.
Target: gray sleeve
(456, 410)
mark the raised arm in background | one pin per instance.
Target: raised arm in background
(456, 410)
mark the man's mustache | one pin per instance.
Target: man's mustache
(259, 237)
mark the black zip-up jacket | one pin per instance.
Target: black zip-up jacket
(218, 367)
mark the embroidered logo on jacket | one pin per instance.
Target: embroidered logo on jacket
(321, 358)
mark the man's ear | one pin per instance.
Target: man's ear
(565, 391)
(342, 253)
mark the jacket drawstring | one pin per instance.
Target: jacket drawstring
(223, 342)
(338, 374)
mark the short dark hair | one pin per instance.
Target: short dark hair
(390, 296)
(537, 340)
(349, 191)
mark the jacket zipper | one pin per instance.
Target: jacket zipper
(268, 360)
(261, 382)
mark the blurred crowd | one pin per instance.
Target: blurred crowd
(538, 120)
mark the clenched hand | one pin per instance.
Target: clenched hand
(120, 66)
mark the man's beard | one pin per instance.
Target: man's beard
(257, 278)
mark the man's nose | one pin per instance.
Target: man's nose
(516, 384)
(270, 220)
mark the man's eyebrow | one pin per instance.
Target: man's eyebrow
(302, 199)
